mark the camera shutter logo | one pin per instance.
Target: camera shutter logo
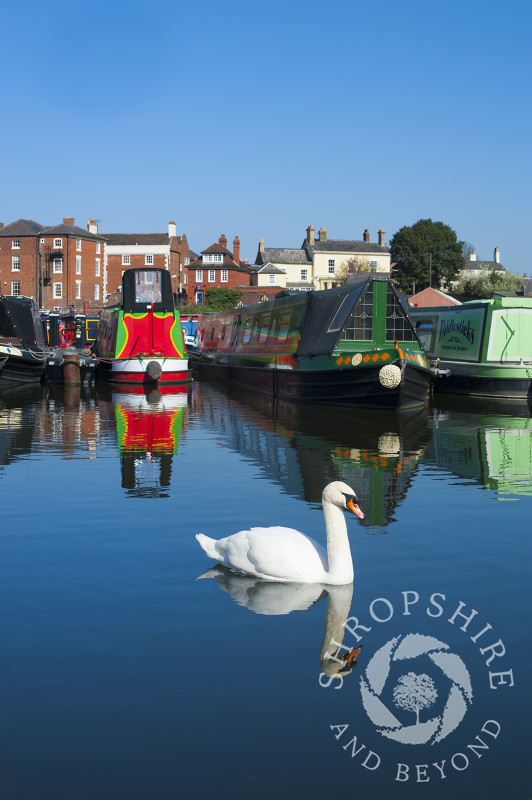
(415, 692)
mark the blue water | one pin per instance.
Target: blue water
(124, 676)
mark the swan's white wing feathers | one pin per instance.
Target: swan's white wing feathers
(271, 553)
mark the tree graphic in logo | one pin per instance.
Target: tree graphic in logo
(414, 692)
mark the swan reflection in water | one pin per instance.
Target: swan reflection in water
(274, 599)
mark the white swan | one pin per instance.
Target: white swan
(284, 554)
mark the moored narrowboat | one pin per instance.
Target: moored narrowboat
(140, 341)
(482, 348)
(23, 352)
(352, 344)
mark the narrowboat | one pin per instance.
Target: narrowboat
(140, 340)
(353, 344)
(23, 352)
(482, 348)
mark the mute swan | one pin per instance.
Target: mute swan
(286, 555)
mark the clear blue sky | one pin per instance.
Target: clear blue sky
(259, 119)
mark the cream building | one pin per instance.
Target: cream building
(322, 263)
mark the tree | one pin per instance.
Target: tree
(218, 299)
(489, 281)
(427, 254)
(360, 264)
(414, 692)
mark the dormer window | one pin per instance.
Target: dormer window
(212, 258)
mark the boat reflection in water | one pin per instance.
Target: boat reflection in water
(485, 441)
(274, 599)
(305, 447)
(148, 426)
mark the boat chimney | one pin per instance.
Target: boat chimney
(223, 240)
(310, 234)
(236, 250)
(366, 235)
(382, 238)
(92, 225)
(172, 230)
(323, 234)
(496, 256)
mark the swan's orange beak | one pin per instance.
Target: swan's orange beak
(352, 506)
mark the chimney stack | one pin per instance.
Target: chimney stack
(261, 246)
(172, 229)
(323, 234)
(310, 234)
(236, 250)
(69, 221)
(472, 256)
(223, 240)
(496, 256)
(382, 239)
(351, 266)
(92, 225)
(366, 235)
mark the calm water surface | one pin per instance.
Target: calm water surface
(131, 668)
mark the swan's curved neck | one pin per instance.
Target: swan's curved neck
(338, 550)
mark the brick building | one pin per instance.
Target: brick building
(59, 266)
(217, 267)
(161, 250)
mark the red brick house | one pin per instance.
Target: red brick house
(217, 267)
(161, 250)
(59, 266)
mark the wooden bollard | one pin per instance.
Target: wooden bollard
(71, 367)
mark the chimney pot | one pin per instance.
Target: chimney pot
(236, 250)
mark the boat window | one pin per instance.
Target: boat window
(264, 325)
(247, 330)
(273, 329)
(284, 326)
(212, 334)
(398, 325)
(222, 336)
(424, 330)
(341, 315)
(360, 324)
(148, 286)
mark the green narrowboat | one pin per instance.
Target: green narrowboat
(482, 348)
(352, 344)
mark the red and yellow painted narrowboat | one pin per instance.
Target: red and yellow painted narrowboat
(141, 341)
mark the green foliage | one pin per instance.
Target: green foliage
(427, 253)
(488, 281)
(217, 299)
